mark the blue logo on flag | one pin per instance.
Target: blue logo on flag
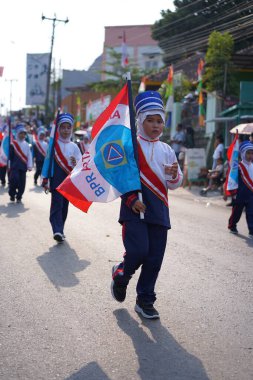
(113, 154)
(114, 158)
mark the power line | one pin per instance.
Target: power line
(176, 38)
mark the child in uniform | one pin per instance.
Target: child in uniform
(244, 195)
(3, 155)
(39, 152)
(66, 156)
(20, 162)
(145, 239)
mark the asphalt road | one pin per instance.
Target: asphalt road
(59, 321)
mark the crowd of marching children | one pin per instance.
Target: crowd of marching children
(144, 238)
(26, 148)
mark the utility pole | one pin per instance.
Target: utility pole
(54, 20)
(11, 81)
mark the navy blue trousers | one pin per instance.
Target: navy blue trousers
(145, 245)
(237, 213)
(3, 171)
(17, 181)
(58, 211)
(39, 165)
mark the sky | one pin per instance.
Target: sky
(77, 43)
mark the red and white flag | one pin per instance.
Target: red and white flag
(108, 169)
(231, 184)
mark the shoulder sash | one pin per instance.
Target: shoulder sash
(39, 146)
(61, 159)
(19, 152)
(245, 176)
(150, 179)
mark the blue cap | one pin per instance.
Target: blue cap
(245, 146)
(65, 118)
(20, 128)
(41, 130)
(148, 100)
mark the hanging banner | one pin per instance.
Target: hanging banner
(96, 107)
(195, 160)
(36, 78)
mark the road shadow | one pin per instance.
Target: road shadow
(13, 210)
(247, 239)
(37, 189)
(3, 189)
(60, 264)
(162, 357)
(91, 371)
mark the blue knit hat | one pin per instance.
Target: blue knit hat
(245, 146)
(20, 128)
(41, 130)
(148, 100)
(65, 118)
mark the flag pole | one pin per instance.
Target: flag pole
(127, 77)
(52, 152)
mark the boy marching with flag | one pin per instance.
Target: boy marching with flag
(20, 161)
(4, 154)
(117, 165)
(61, 157)
(240, 180)
(145, 238)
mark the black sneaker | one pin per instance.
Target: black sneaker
(118, 291)
(12, 199)
(233, 230)
(58, 237)
(146, 310)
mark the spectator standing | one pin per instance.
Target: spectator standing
(218, 150)
(178, 140)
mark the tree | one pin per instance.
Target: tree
(114, 85)
(219, 74)
(185, 31)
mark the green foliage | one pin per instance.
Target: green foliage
(186, 30)
(219, 74)
(116, 72)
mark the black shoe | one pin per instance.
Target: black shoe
(118, 291)
(19, 201)
(58, 237)
(203, 192)
(12, 199)
(233, 230)
(146, 310)
(251, 234)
